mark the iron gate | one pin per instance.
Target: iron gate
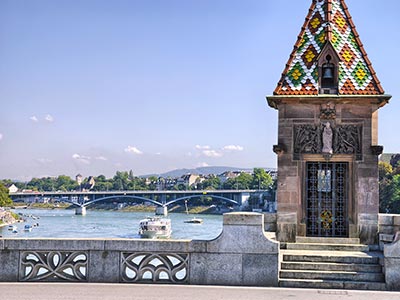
(326, 199)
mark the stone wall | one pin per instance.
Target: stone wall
(300, 128)
(241, 255)
(389, 225)
(389, 242)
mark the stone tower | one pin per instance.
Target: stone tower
(328, 99)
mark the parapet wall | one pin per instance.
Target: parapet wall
(241, 255)
(389, 241)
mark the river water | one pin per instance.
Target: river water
(61, 223)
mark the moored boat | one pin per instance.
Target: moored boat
(12, 228)
(194, 220)
(155, 227)
(28, 228)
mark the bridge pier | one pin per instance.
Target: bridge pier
(81, 211)
(162, 211)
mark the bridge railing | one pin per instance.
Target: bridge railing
(241, 255)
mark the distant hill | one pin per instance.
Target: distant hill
(201, 170)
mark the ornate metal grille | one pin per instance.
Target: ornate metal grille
(326, 198)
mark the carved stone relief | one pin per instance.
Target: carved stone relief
(326, 138)
(328, 111)
(348, 140)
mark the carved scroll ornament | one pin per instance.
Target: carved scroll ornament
(156, 268)
(53, 266)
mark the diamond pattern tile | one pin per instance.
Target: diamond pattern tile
(356, 75)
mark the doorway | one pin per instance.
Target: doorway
(327, 199)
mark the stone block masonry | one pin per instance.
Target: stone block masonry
(242, 255)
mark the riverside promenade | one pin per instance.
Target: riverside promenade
(96, 291)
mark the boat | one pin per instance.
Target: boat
(12, 227)
(193, 220)
(28, 227)
(155, 227)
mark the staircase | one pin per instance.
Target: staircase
(330, 264)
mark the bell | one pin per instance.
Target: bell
(328, 73)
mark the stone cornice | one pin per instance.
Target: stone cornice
(380, 100)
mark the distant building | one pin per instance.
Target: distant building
(189, 180)
(89, 184)
(79, 179)
(12, 188)
(86, 185)
(228, 175)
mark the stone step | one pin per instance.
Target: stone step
(345, 267)
(332, 275)
(329, 257)
(322, 240)
(332, 284)
(327, 247)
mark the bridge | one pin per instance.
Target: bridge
(162, 199)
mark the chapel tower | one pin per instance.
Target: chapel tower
(328, 99)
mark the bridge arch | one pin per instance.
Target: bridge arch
(123, 196)
(197, 196)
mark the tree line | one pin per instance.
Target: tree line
(389, 186)
(123, 180)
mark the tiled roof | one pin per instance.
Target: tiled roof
(329, 21)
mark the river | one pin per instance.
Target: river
(62, 223)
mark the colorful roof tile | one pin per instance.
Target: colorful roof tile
(329, 21)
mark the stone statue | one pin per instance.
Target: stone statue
(327, 137)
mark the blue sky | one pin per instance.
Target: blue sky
(93, 86)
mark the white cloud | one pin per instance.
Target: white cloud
(44, 160)
(1, 136)
(49, 118)
(132, 149)
(198, 147)
(34, 119)
(233, 148)
(202, 164)
(81, 158)
(101, 158)
(212, 153)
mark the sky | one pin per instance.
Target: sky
(96, 86)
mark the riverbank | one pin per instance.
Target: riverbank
(211, 209)
(8, 217)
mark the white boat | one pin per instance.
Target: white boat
(12, 228)
(194, 220)
(155, 227)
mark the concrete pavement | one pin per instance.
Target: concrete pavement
(91, 291)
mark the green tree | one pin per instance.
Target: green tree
(392, 195)
(65, 183)
(121, 180)
(261, 180)
(241, 182)
(385, 170)
(5, 199)
(211, 183)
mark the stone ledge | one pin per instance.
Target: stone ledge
(54, 244)
(239, 237)
(385, 219)
(143, 245)
(239, 218)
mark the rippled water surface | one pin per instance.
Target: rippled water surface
(58, 223)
